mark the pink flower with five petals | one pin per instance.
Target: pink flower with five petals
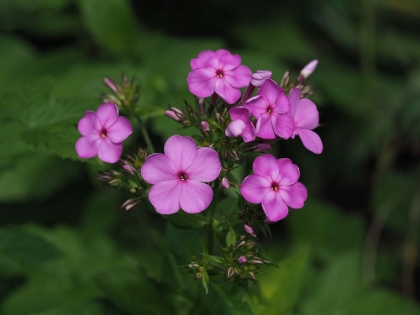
(103, 133)
(305, 117)
(178, 176)
(269, 107)
(274, 184)
(218, 72)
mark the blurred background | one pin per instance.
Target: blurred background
(64, 247)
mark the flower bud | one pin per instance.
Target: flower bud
(308, 69)
(225, 183)
(285, 81)
(242, 260)
(171, 114)
(129, 204)
(111, 85)
(259, 77)
(205, 126)
(261, 147)
(248, 229)
(229, 273)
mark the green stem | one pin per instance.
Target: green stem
(212, 211)
(144, 133)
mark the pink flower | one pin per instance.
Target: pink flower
(219, 72)
(269, 108)
(240, 125)
(259, 77)
(275, 186)
(103, 133)
(178, 175)
(305, 117)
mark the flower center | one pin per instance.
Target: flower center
(275, 186)
(103, 133)
(183, 176)
(269, 109)
(219, 73)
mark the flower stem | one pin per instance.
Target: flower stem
(144, 133)
(212, 211)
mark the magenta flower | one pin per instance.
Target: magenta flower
(219, 72)
(259, 77)
(275, 186)
(305, 117)
(178, 175)
(269, 108)
(240, 125)
(103, 133)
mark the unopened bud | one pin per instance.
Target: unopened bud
(252, 276)
(229, 273)
(285, 81)
(171, 114)
(193, 265)
(129, 204)
(234, 155)
(308, 69)
(205, 126)
(225, 183)
(248, 229)
(261, 147)
(242, 260)
(259, 77)
(111, 85)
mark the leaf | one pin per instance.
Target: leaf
(231, 238)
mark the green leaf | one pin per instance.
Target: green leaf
(231, 238)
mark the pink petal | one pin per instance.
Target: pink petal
(257, 105)
(158, 168)
(311, 140)
(109, 152)
(181, 151)
(306, 114)
(282, 105)
(274, 207)
(206, 166)
(289, 172)
(295, 195)
(227, 61)
(235, 128)
(205, 59)
(249, 132)
(269, 91)
(165, 196)
(119, 131)
(228, 93)
(202, 81)
(195, 196)
(264, 127)
(239, 77)
(241, 113)
(87, 147)
(107, 114)
(254, 188)
(294, 97)
(89, 125)
(283, 126)
(309, 68)
(259, 77)
(266, 165)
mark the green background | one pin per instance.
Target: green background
(64, 247)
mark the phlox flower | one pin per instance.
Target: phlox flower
(274, 184)
(103, 133)
(240, 125)
(269, 107)
(218, 72)
(259, 77)
(305, 117)
(178, 176)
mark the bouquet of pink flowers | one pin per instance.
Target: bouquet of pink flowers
(193, 174)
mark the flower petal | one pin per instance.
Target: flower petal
(283, 126)
(195, 196)
(269, 91)
(227, 61)
(306, 114)
(165, 196)
(235, 128)
(89, 125)
(289, 172)
(294, 97)
(257, 105)
(206, 166)
(266, 165)
(202, 81)
(264, 127)
(249, 132)
(241, 113)
(119, 131)
(274, 207)
(282, 105)
(206, 58)
(108, 151)
(294, 195)
(311, 140)
(158, 168)
(238, 77)
(181, 151)
(87, 147)
(107, 114)
(227, 92)
(254, 188)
